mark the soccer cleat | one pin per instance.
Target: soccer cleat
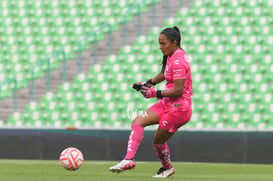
(164, 173)
(122, 166)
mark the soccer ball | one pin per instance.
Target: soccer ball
(71, 158)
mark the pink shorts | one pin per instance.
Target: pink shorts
(169, 118)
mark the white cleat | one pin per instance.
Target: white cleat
(164, 173)
(122, 166)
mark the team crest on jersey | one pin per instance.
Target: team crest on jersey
(167, 68)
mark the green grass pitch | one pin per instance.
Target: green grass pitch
(37, 170)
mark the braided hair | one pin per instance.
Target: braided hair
(173, 34)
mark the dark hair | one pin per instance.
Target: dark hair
(173, 34)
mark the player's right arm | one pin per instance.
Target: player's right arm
(158, 78)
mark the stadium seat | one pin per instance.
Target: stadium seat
(6, 90)
(16, 119)
(33, 115)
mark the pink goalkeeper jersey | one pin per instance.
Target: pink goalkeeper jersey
(178, 67)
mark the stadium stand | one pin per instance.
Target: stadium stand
(33, 30)
(230, 48)
(52, 21)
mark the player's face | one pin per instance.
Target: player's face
(166, 46)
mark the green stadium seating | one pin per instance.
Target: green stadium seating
(231, 67)
(16, 120)
(58, 25)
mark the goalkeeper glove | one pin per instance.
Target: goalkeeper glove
(150, 92)
(137, 86)
(148, 83)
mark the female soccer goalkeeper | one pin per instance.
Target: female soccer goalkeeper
(171, 112)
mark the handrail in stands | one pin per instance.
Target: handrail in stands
(47, 61)
(93, 34)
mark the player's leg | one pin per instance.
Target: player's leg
(169, 124)
(149, 117)
(163, 152)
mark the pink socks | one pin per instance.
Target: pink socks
(134, 141)
(163, 153)
(162, 150)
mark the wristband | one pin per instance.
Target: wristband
(159, 94)
(150, 82)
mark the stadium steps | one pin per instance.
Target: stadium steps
(24, 95)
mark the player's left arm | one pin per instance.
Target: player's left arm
(178, 89)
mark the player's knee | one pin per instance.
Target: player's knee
(140, 121)
(137, 121)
